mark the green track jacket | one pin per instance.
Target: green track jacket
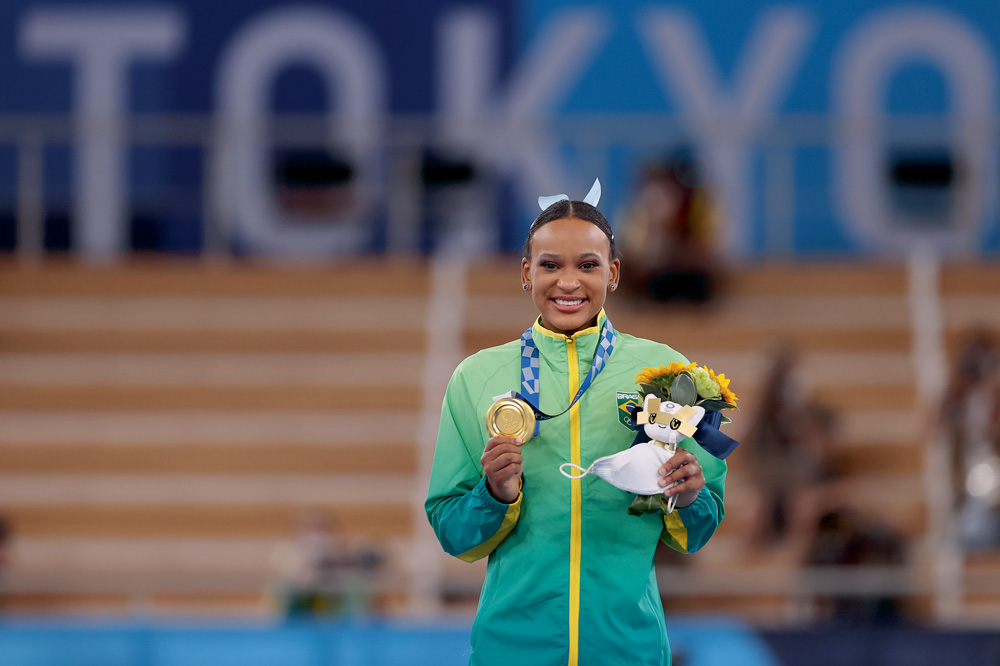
(570, 577)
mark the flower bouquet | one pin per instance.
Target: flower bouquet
(689, 384)
(683, 386)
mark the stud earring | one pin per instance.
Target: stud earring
(525, 287)
(612, 286)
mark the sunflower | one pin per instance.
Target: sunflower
(649, 374)
(727, 395)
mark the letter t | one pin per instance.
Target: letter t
(101, 44)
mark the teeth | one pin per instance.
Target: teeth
(562, 301)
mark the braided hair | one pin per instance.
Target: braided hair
(566, 208)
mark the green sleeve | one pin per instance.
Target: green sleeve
(689, 528)
(468, 521)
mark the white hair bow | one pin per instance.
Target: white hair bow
(592, 197)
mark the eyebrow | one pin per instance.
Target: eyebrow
(546, 256)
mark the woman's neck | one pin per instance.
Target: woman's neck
(546, 325)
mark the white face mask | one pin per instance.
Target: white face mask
(634, 470)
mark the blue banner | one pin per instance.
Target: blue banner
(809, 128)
(792, 110)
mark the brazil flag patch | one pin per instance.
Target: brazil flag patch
(627, 402)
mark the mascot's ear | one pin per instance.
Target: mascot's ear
(647, 405)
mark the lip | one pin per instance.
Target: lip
(569, 309)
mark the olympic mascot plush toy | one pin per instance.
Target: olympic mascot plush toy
(666, 424)
(637, 469)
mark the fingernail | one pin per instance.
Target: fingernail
(662, 482)
(517, 440)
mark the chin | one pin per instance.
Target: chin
(571, 322)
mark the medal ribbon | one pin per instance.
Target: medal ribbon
(530, 365)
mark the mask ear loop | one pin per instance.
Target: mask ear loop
(670, 501)
(575, 466)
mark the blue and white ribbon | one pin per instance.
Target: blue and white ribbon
(530, 363)
(593, 196)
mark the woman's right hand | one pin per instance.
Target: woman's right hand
(501, 461)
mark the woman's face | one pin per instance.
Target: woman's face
(569, 272)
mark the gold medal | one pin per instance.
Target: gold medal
(511, 417)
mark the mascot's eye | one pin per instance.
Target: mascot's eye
(652, 417)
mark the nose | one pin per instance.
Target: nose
(568, 283)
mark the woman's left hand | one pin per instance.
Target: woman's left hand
(683, 468)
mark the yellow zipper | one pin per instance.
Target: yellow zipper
(576, 516)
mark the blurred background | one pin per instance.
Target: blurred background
(244, 244)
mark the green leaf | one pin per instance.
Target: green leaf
(683, 391)
(725, 420)
(648, 389)
(646, 504)
(714, 404)
(655, 391)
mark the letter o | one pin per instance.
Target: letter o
(863, 67)
(350, 65)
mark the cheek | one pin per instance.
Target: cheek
(601, 282)
(539, 293)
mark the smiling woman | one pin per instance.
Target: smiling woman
(571, 273)
(570, 576)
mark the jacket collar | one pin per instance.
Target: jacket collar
(586, 338)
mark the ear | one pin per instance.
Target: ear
(646, 403)
(525, 271)
(616, 266)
